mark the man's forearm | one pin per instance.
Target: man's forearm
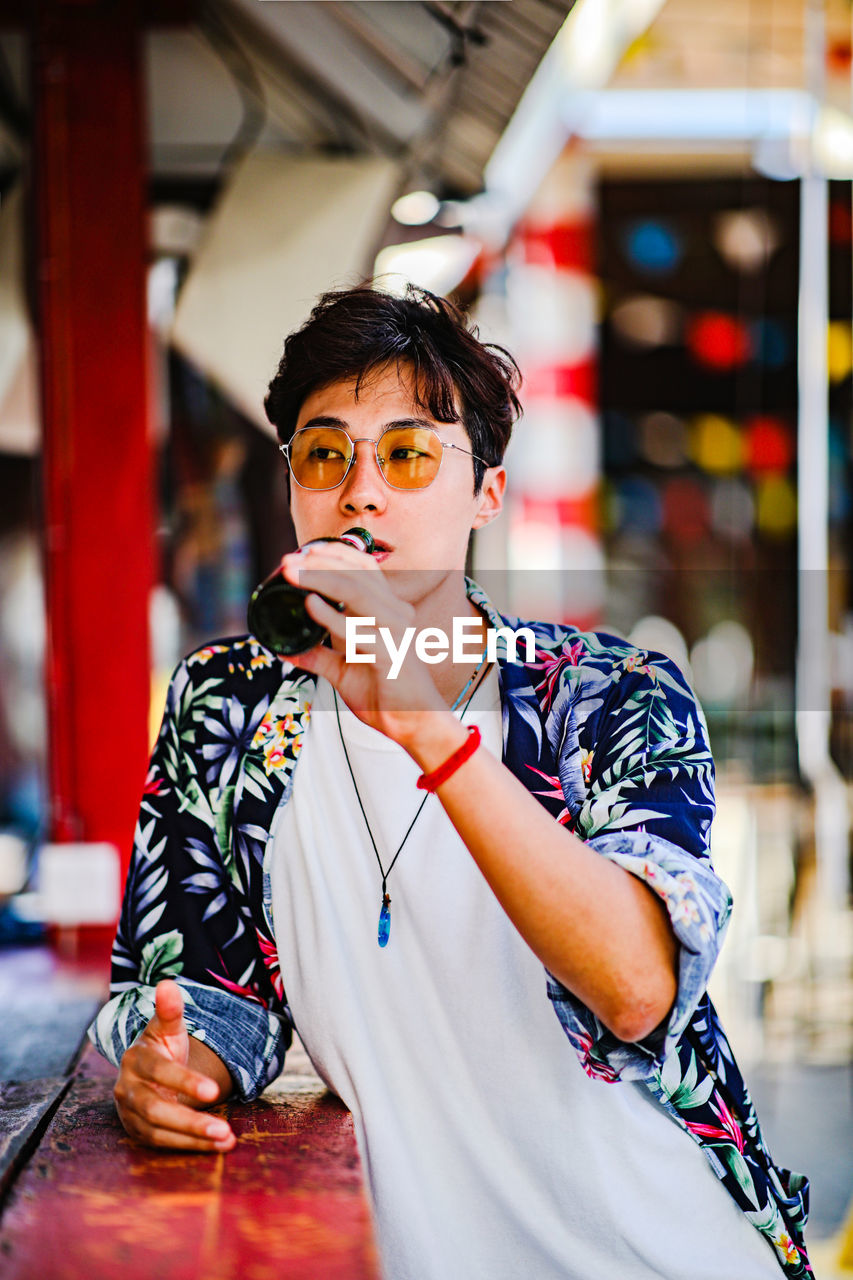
(596, 927)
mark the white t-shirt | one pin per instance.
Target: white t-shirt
(489, 1153)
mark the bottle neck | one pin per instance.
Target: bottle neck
(359, 538)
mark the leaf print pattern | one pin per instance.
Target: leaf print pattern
(554, 793)
(270, 954)
(608, 738)
(161, 957)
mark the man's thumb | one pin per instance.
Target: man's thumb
(169, 1007)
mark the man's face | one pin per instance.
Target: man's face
(417, 529)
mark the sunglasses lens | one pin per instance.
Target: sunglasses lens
(319, 457)
(409, 456)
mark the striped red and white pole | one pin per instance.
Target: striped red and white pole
(555, 459)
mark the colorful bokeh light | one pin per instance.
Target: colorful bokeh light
(775, 506)
(635, 506)
(839, 350)
(716, 444)
(643, 320)
(770, 446)
(718, 341)
(772, 343)
(663, 440)
(840, 222)
(686, 513)
(653, 246)
(732, 510)
(747, 238)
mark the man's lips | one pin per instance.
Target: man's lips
(380, 548)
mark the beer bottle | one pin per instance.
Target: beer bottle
(277, 615)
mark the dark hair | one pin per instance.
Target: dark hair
(352, 332)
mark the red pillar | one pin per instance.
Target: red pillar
(90, 252)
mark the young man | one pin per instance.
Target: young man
(538, 1080)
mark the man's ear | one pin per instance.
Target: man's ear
(490, 497)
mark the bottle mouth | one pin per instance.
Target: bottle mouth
(360, 538)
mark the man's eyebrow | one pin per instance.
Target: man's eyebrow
(411, 422)
(327, 421)
(324, 421)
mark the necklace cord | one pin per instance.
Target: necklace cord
(385, 874)
(479, 671)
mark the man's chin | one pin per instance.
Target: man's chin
(417, 585)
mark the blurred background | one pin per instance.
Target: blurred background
(649, 203)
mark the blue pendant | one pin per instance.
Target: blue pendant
(384, 932)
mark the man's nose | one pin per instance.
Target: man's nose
(364, 488)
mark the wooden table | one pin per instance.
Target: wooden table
(82, 1202)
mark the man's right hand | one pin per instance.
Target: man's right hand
(164, 1079)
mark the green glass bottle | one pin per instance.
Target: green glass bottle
(277, 615)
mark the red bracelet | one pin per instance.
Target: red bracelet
(431, 781)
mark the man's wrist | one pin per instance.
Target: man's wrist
(208, 1063)
(437, 736)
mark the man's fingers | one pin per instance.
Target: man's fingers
(150, 1064)
(169, 1007)
(334, 554)
(174, 1141)
(181, 1138)
(150, 1112)
(365, 594)
(321, 660)
(159, 1097)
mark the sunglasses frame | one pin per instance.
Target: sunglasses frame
(284, 450)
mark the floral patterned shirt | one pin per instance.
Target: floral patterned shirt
(607, 737)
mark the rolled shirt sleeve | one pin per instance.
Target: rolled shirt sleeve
(187, 913)
(646, 803)
(248, 1038)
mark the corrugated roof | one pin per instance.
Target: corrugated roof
(431, 84)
